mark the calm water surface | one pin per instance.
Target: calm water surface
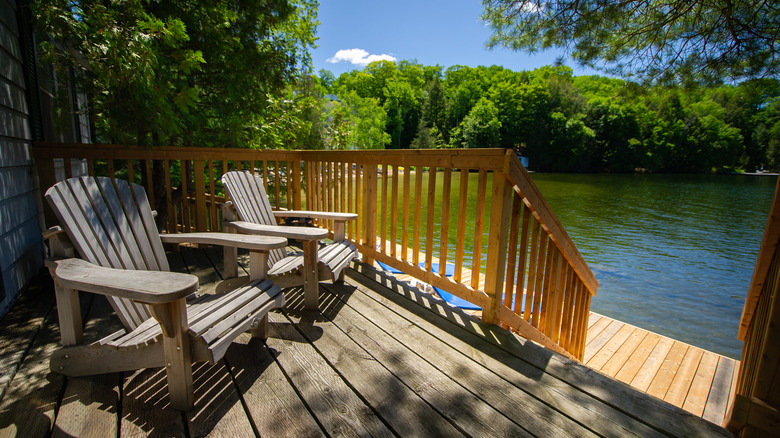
(673, 254)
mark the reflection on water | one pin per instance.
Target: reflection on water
(673, 254)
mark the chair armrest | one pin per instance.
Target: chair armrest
(53, 231)
(252, 243)
(297, 233)
(317, 215)
(152, 287)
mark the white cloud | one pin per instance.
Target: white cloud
(358, 57)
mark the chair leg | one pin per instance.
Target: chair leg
(176, 345)
(261, 331)
(311, 285)
(230, 261)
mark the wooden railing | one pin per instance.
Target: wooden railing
(418, 210)
(755, 410)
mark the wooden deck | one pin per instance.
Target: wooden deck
(380, 359)
(686, 376)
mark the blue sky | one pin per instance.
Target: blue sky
(431, 31)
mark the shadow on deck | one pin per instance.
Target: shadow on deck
(380, 359)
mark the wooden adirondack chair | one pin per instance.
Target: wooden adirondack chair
(110, 224)
(249, 212)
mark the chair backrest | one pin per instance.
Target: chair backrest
(248, 195)
(110, 224)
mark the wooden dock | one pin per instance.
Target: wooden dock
(696, 380)
(380, 358)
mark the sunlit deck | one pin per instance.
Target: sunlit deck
(696, 380)
(381, 358)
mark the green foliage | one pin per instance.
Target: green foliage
(567, 123)
(204, 73)
(702, 41)
(366, 122)
(481, 127)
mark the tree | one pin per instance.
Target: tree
(366, 121)
(686, 40)
(402, 105)
(327, 79)
(481, 127)
(179, 72)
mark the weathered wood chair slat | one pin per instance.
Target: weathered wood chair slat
(249, 203)
(110, 224)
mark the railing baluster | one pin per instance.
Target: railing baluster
(130, 171)
(149, 183)
(351, 207)
(370, 202)
(214, 225)
(358, 203)
(512, 263)
(394, 213)
(200, 195)
(417, 207)
(344, 204)
(549, 275)
(460, 238)
(538, 282)
(533, 265)
(429, 227)
(383, 220)
(445, 221)
(171, 219)
(476, 262)
(405, 229)
(565, 334)
(580, 322)
(277, 183)
(185, 196)
(556, 296)
(519, 291)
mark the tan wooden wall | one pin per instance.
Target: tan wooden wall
(755, 410)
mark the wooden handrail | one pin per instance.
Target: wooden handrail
(755, 407)
(530, 261)
(538, 205)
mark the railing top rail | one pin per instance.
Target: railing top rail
(766, 254)
(121, 152)
(535, 200)
(487, 159)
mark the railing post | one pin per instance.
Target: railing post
(369, 210)
(500, 217)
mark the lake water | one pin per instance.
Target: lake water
(672, 253)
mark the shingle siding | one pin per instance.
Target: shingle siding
(20, 234)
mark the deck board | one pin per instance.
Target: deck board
(673, 371)
(380, 359)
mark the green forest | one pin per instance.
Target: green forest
(563, 123)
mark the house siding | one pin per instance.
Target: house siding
(20, 234)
